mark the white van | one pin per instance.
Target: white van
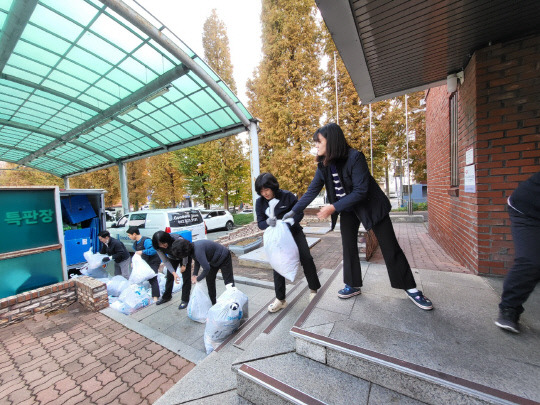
(168, 220)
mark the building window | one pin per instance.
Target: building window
(454, 161)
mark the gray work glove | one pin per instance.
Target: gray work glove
(288, 215)
(271, 221)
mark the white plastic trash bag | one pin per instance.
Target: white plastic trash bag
(178, 287)
(199, 304)
(134, 297)
(235, 295)
(222, 320)
(162, 280)
(94, 260)
(121, 307)
(141, 271)
(281, 250)
(116, 285)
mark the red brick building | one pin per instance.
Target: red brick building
(497, 142)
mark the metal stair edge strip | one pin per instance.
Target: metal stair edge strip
(240, 337)
(302, 318)
(277, 387)
(441, 379)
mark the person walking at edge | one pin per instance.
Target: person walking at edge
(162, 243)
(267, 186)
(142, 246)
(355, 195)
(519, 283)
(116, 249)
(209, 255)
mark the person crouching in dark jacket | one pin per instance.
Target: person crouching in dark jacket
(272, 204)
(116, 249)
(209, 255)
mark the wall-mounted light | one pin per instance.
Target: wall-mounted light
(158, 93)
(452, 81)
(128, 110)
(104, 122)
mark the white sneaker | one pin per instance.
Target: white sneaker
(312, 295)
(277, 305)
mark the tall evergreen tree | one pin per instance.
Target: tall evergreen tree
(223, 159)
(284, 93)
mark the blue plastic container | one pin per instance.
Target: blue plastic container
(185, 234)
(77, 208)
(77, 241)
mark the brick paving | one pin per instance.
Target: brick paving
(75, 356)
(421, 250)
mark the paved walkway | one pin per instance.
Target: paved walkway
(81, 357)
(421, 249)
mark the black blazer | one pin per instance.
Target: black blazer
(286, 201)
(116, 249)
(364, 196)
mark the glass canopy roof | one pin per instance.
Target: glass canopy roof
(86, 84)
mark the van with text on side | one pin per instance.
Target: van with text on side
(150, 221)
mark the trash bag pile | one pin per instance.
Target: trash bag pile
(126, 296)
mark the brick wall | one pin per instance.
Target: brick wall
(499, 118)
(90, 292)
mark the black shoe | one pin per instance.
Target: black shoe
(508, 320)
(183, 305)
(162, 301)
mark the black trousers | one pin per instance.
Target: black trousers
(522, 278)
(226, 272)
(306, 260)
(186, 282)
(397, 265)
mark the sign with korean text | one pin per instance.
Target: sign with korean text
(27, 219)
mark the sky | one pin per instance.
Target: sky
(242, 21)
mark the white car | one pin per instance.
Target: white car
(218, 219)
(150, 221)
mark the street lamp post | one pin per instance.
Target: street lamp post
(409, 188)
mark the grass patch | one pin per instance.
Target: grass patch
(242, 219)
(416, 207)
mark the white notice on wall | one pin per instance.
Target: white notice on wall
(470, 180)
(469, 156)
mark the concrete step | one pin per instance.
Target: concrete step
(262, 335)
(428, 356)
(294, 379)
(405, 378)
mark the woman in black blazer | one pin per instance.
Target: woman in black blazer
(267, 186)
(355, 195)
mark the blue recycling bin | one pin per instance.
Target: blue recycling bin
(185, 234)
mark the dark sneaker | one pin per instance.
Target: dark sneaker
(348, 292)
(508, 320)
(420, 300)
(183, 305)
(162, 301)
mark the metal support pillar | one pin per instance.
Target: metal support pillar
(255, 167)
(123, 187)
(66, 183)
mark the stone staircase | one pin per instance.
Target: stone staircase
(291, 358)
